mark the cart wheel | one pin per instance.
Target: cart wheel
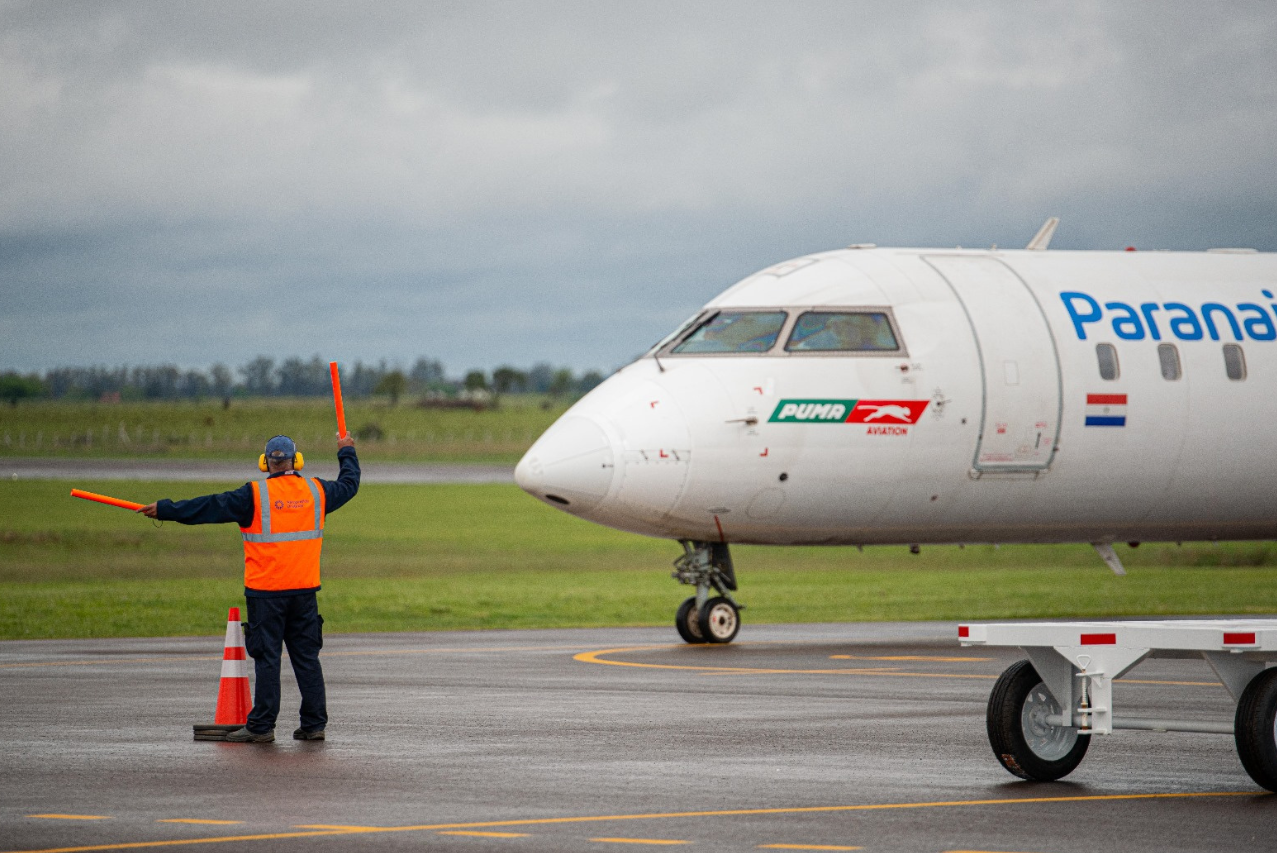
(1021, 738)
(687, 623)
(1255, 728)
(718, 620)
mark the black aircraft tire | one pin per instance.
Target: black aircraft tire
(1020, 697)
(688, 623)
(1255, 728)
(719, 621)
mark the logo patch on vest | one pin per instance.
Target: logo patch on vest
(292, 504)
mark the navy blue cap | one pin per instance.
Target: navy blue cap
(281, 447)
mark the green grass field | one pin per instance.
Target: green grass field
(204, 430)
(419, 558)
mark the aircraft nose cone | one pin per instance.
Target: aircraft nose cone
(571, 466)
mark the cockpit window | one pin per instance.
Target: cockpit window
(842, 331)
(677, 333)
(734, 331)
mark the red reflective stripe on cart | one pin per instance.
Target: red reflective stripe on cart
(1099, 639)
(1239, 639)
(964, 631)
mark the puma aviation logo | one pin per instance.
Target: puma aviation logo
(889, 410)
(888, 413)
(848, 411)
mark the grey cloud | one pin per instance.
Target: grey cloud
(488, 182)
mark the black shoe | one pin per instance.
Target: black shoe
(245, 736)
(303, 734)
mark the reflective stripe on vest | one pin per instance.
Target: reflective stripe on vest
(263, 501)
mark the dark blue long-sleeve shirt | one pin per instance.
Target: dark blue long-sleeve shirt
(238, 505)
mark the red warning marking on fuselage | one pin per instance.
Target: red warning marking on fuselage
(758, 389)
(653, 403)
(664, 455)
(764, 453)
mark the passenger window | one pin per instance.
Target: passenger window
(1234, 362)
(1168, 355)
(734, 331)
(842, 331)
(1106, 354)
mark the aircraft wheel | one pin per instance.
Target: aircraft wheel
(1255, 729)
(1024, 742)
(719, 620)
(688, 623)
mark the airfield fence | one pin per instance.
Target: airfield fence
(183, 430)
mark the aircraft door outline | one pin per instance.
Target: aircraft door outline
(1021, 380)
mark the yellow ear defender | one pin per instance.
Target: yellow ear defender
(298, 462)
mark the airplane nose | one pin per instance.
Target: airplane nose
(570, 466)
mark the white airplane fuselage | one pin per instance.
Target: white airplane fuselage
(990, 421)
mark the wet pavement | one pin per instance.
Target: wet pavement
(802, 737)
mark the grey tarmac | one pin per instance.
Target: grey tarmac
(796, 737)
(215, 471)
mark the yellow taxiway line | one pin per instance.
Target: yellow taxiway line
(552, 821)
(351, 653)
(595, 657)
(711, 669)
(598, 657)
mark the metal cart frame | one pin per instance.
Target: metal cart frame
(1076, 663)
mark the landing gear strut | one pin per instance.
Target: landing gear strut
(704, 618)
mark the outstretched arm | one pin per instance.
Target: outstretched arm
(236, 506)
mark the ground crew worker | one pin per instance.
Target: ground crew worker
(282, 522)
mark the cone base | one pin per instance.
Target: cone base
(213, 731)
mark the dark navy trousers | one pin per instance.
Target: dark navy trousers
(292, 621)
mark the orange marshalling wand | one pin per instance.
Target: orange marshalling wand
(341, 410)
(103, 499)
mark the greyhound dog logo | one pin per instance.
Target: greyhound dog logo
(889, 410)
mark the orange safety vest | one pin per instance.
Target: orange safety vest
(282, 545)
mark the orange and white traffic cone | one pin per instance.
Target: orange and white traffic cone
(233, 702)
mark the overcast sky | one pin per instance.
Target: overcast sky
(489, 183)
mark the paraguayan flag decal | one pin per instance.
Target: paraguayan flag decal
(1106, 410)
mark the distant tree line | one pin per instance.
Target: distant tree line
(292, 377)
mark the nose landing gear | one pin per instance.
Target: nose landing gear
(702, 618)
